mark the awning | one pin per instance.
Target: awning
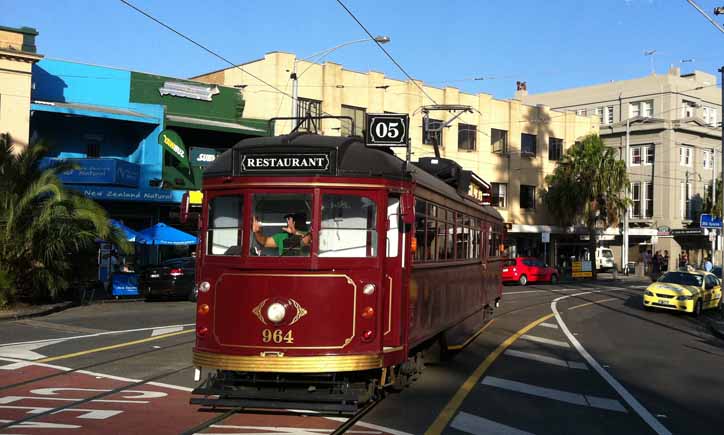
(162, 234)
(252, 127)
(93, 111)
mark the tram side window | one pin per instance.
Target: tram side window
(423, 243)
(494, 244)
(224, 234)
(349, 227)
(281, 225)
(393, 232)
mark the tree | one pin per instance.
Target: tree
(587, 188)
(712, 206)
(43, 225)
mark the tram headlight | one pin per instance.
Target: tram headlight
(204, 286)
(276, 312)
(368, 289)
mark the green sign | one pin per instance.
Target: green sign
(203, 156)
(172, 142)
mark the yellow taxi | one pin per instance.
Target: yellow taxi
(684, 291)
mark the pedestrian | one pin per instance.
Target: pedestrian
(682, 261)
(656, 264)
(665, 263)
(647, 261)
(708, 266)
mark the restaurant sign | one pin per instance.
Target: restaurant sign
(285, 163)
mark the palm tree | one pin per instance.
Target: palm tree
(43, 225)
(586, 188)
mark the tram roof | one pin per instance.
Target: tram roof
(349, 157)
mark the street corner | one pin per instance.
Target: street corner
(24, 312)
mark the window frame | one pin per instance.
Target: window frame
(648, 191)
(531, 197)
(495, 193)
(358, 126)
(524, 143)
(645, 155)
(555, 148)
(503, 138)
(303, 107)
(686, 154)
(635, 150)
(427, 135)
(636, 200)
(471, 133)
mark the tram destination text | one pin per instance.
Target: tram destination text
(285, 162)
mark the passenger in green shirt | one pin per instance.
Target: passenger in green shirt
(289, 238)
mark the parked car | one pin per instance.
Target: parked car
(604, 259)
(528, 269)
(172, 278)
(691, 292)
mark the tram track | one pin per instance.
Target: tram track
(90, 366)
(94, 397)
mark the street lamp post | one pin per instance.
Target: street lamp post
(295, 77)
(624, 253)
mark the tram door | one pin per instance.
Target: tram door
(392, 277)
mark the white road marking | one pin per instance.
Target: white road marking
(166, 330)
(372, 426)
(546, 359)
(541, 291)
(550, 393)
(482, 426)
(99, 334)
(263, 430)
(40, 425)
(548, 325)
(628, 397)
(545, 341)
(25, 351)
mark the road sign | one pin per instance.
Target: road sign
(546, 237)
(709, 221)
(387, 129)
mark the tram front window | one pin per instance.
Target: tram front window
(281, 225)
(348, 227)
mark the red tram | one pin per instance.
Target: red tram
(326, 267)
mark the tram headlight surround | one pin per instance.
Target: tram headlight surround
(276, 312)
(204, 286)
(368, 289)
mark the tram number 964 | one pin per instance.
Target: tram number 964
(276, 336)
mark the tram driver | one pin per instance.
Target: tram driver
(290, 240)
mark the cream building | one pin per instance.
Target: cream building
(17, 56)
(512, 145)
(674, 153)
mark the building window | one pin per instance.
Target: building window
(685, 155)
(432, 132)
(649, 154)
(641, 108)
(636, 199)
(635, 156)
(466, 137)
(599, 113)
(312, 108)
(528, 144)
(555, 148)
(527, 197)
(648, 200)
(708, 160)
(499, 140)
(609, 115)
(499, 192)
(687, 109)
(581, 112)
(685, 200)
(710, 116)
(358, 115)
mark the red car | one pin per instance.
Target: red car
(528, 269)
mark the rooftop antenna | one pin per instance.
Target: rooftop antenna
(651, 53)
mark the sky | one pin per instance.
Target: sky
(473, 45)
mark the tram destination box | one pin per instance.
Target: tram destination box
(387, 129)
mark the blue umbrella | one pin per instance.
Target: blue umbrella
(131, 235)
(162, 234)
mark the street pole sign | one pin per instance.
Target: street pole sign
(387, 129)
(709, 221)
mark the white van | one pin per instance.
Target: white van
(604, 259)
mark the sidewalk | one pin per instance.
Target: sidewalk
(715, 321)
(24, 312)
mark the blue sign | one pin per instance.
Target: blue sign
(709, 221)
(108, 193)
(102, 171)
(125, 284)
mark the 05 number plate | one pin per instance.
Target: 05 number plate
(277, 336)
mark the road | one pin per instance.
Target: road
(571, 358)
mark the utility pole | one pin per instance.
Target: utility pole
(624, 250)
(721, 132)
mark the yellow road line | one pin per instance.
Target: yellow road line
(115, 346)
(593, 303)
(451, 408)
(471, 338)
